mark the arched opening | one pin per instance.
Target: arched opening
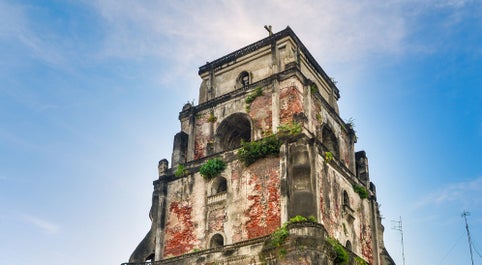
(346, 199)
(217, 241)
(348, 245)
(232, 130)
(329, 140)
(219, 185)
(243, 79)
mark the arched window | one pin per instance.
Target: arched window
(217, 241)
(329, 141)
(346, 199)
(243, 79)
(232, 130)
(348, 245)
(219, 185)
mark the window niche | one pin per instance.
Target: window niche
(348, 212)
(217, 192)
(346, 199)
(232, 130)
(348, 245)
(216, 241)
(329, 141)
(244, 79)
(219, 185)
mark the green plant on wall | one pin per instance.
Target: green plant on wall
(360, 261)
(300, 218)
(362, 191)
(350, 122)
(313, 89)
(250, 152)
(212, 168)
(181, 171)
(252, 96)
(278, 237)
(341, 254)
(328, 157)
(292, 128)
(319, 117)
(212, 118)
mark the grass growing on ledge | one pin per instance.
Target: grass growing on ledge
(328, 157)
(278, 237)
(362, 191)
(341, 254)
(212, 168)
(360, 261)
(212, 118)
(293, 128)
(300, 218)
(181, 171)
(250, 152)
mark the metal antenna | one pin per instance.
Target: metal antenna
(464, 215)
(397, 225)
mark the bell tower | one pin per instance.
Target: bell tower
(264, 170)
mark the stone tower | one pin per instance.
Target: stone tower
(264, 170)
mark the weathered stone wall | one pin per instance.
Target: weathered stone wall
(321, 116)
(349, 221)
(183, 229)
(250, 208)
(291, 100)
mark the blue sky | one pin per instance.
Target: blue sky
(90, 93)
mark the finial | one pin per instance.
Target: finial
(163, 165)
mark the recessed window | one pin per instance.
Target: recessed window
(216, 241)
(329, 140)
(348, 245)
(219, 185)
(346, 199)
(243, 79)
(232, 130)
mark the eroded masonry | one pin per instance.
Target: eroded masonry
(264, 170)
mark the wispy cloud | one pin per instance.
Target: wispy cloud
(463, 194)
(16, 27)
(337, 29)
(43, 225)
(185, 34)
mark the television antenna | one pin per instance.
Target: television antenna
(464, 215)
(397, 225)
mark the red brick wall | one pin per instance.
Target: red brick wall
(179, 229)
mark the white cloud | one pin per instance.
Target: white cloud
(464, 194)
(185, 29)
(183, 35)
(43, 225)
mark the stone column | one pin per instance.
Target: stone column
(161, 186)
